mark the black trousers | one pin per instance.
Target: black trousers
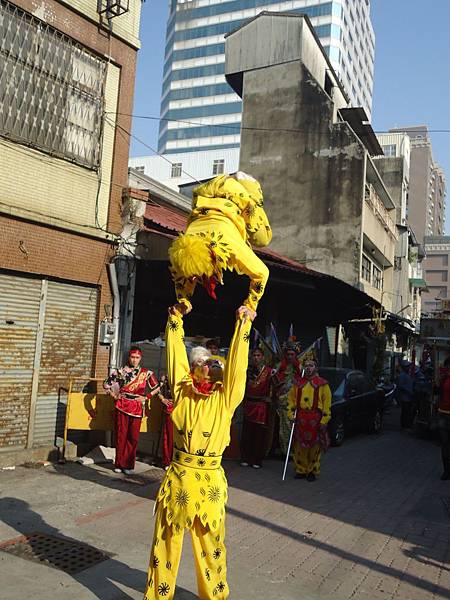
(444, 432)
(406, 417)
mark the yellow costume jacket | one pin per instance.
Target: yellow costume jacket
(306, 389)
(195, 484)
(227, 218)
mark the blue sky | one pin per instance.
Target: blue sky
(412, 75)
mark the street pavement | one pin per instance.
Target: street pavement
(375, 526)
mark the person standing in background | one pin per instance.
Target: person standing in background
(257, 403)
(405, 394)
(128, 386)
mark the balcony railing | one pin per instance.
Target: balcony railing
(379, 210)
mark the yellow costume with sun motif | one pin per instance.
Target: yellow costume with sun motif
(227, 219)
(194, 491)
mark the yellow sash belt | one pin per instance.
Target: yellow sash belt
(196, 461)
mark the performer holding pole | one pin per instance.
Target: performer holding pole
(194, 491)
(309, 406)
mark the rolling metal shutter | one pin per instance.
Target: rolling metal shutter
(19, 317)
(67, 349)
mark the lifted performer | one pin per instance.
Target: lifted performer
(227, 218)
(128, 387)
(310, 402)
(194, 491)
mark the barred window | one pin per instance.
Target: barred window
(218, 166)
(51, 89)
(377, 277)
(177, 169)
(366, 269)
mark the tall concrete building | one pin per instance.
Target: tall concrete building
(437, 266)
(206, 112)
(427, 186)
(326, 202)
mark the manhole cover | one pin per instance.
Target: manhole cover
(67, 555)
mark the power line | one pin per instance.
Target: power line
(268, 129)
(131, 135)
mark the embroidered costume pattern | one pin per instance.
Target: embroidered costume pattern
(227, 218)
(194, 491)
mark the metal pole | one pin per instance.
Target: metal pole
(116, 316)
(289, 447)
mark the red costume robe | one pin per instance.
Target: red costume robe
(256, 415)
(127, 384)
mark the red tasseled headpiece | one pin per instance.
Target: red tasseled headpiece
(209, 283)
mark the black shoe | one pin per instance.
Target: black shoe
(299, 476)
(311, 477)
(445, 476)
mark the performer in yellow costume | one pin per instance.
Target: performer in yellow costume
(194, 491)
(309, 402)
(227, 219)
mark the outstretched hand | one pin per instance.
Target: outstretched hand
(180, 309)
(245, 313)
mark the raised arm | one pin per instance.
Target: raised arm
(176, 356)
(235, 374)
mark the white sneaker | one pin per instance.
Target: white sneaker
(117, 470)
(256, 466)
(244, 464)
(166, 468)
(128, 471)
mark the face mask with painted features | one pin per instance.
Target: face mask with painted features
(207, 370)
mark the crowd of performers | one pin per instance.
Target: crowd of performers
(286, 404)
(203, 391)
(277, 398)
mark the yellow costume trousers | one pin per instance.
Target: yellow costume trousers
(210, 560)
(307, 460)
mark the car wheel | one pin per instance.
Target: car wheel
(337, 432)
(376, 425)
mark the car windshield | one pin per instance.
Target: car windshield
(336, 379)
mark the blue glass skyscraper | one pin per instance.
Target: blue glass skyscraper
(200, 111)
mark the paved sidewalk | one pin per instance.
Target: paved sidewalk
(376, 526)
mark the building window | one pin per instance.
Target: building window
(390, 150)
(140, 169)
(51, 87)
(377, 277)
(366, 269)
(177, 169)
(218, 166)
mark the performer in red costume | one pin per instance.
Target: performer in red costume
(444, 419)
(257, 402)
(128, 387)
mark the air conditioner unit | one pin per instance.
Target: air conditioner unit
(113, 8)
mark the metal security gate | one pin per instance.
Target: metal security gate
(47, 333)
(67, 348)
(19, 317)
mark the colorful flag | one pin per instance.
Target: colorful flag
(274, 343)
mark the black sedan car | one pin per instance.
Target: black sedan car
(357, 404)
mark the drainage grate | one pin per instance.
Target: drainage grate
(69, 556)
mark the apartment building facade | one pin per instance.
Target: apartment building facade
(67, 79)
